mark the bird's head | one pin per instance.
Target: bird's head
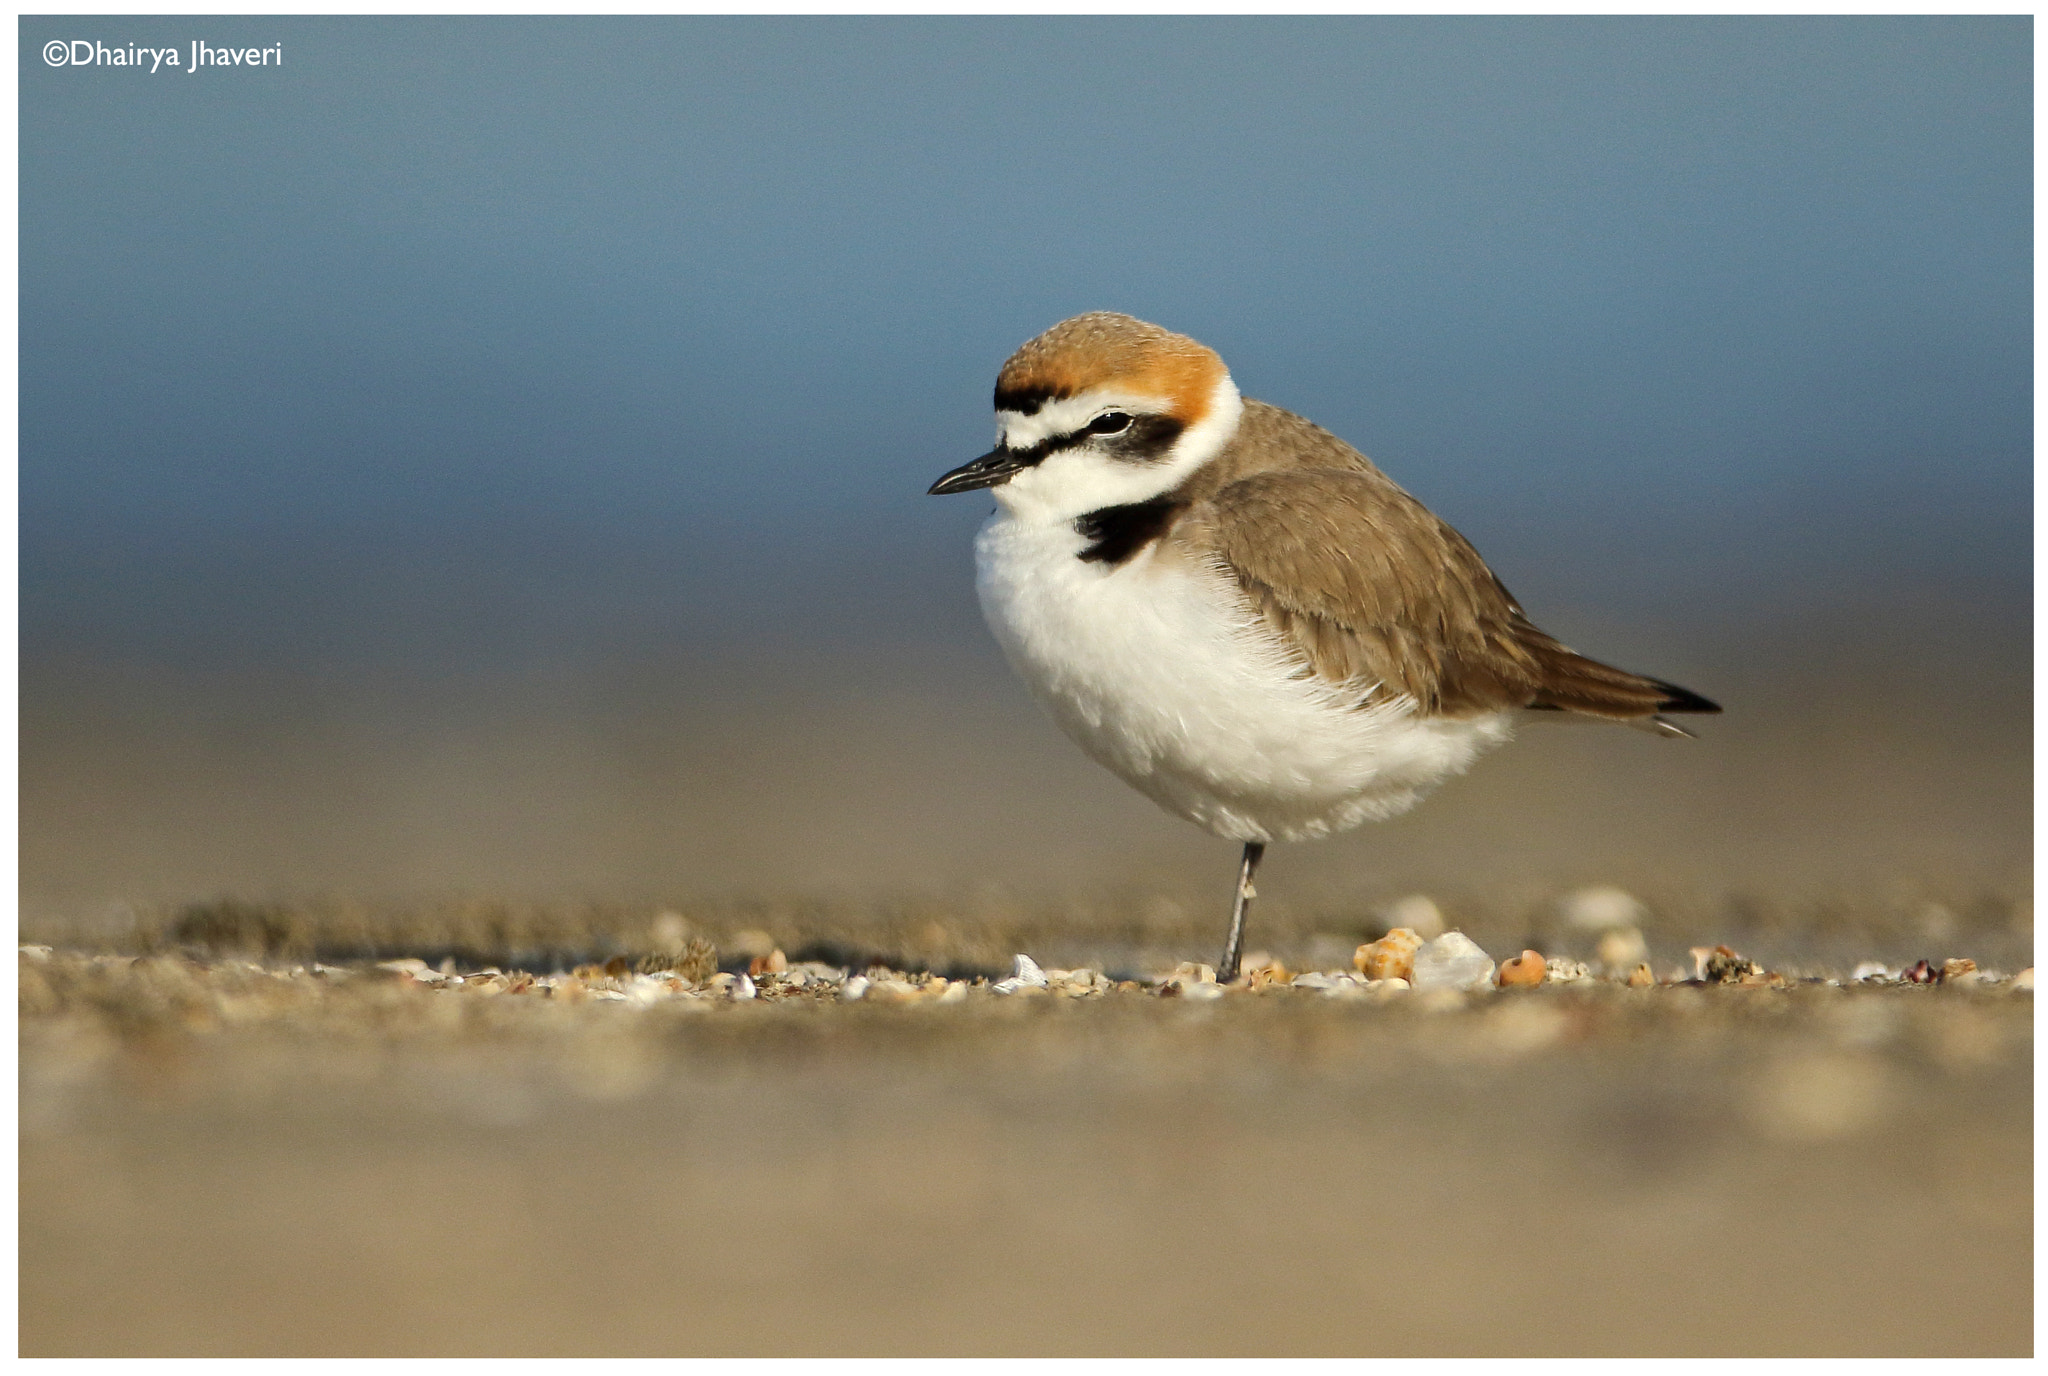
(1101, 410)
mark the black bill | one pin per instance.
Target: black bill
(991, 468)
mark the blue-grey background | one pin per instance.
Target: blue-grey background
(487, 455)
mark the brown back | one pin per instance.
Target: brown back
(1373, 590)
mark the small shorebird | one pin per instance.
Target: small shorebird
(1235, 612)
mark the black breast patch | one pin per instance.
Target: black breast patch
(1115, 533)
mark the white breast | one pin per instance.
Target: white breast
(1161, 673)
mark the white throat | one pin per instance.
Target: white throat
(1074, 481)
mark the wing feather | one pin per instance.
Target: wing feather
(1373, 591)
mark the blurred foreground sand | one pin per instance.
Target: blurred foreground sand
(229, 1157)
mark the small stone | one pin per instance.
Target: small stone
(1602, 908)
(2023, 982)
(1452, 961)
(1418, 913)
(743, 987)
(854, 989)
(1957, 968)
(1622, 948)
(1524, 971)
(1564, 970)
(893, 990)
(1194, 972)
(1641, 977)
(774, 963)
(1391, 957)
(1720, 965)
(1871, 969)
(1202, 990)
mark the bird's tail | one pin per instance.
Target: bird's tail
(1569, 682)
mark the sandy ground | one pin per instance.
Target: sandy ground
(271, 1155)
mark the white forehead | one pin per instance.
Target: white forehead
(1065, 415)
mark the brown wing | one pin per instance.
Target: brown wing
(1372, 589)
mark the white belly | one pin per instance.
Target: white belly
(1161, 673)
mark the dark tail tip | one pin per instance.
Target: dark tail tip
(1677, 699)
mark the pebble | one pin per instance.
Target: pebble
(1418, 913)
(1391, 957)
(2024, 981)
(1027, 976)
(1642, 977)
(774, 963)
(1958, 969)
(854, 989)
(1453, 961)
(1622, 949)
(1871, 969)
(1564, 970)
(1524, 971)
(1191, 980)
(1720, 965)
(890, 989)
(1602, 908)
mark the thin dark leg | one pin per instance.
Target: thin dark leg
(1234, 948)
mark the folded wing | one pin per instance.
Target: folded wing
(1372, 590)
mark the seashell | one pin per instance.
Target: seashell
(1391, 957)
(1524, 971)
(1027, 976)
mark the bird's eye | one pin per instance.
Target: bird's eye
(1109, 423)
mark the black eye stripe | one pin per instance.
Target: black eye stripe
(1143, 439)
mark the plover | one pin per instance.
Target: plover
(1235, 611)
